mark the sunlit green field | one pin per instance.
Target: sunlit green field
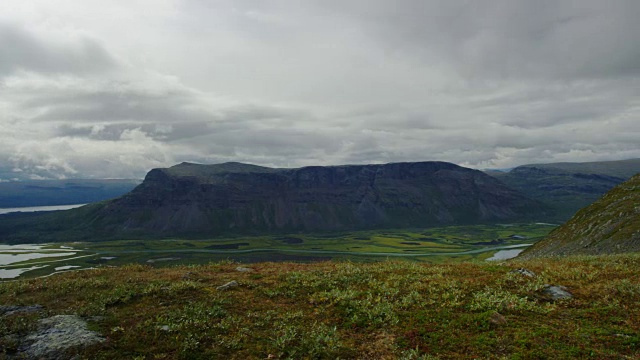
(433, 245)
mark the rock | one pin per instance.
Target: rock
(524, 272)
(497, 319)
(58, 334)
(227, 286)
(243, 269)
(164, 328)
(12, 309)
(557, 292)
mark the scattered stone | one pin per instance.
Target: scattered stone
(497, 319)
(227, 286)
(164, 328)
(557, 292)
(524, 272)
(12, 309)
(243, 269)
(57, 334)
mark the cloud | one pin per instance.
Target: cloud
(506, 38)
(483, 84)
(26, 51)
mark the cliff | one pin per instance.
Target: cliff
(203, 200)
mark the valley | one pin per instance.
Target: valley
(429, 245)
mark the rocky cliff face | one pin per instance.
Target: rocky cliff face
(232, 197)
(610, 225)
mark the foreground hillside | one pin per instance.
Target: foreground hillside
(568, 187)
(329, 310)
(610, 225)
(191, 200)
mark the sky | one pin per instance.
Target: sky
(112, 89)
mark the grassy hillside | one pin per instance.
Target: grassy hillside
(568, 187)
(610, 225)
(329, 310)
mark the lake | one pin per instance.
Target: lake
(39, 208)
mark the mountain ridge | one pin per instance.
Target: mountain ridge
(569, 186)
(204, 200)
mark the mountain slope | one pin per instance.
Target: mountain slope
(62, 192)
(204, 200)
(568, 187)
(610, 225)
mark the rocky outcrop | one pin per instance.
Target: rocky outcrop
(610, 225)
(56, 336)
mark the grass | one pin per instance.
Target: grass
(441, 244)
(338, 309)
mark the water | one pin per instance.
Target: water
(6, 259)
(12, 254)
(505, 254)
(67, 267)
(14, 273)
(39, 208)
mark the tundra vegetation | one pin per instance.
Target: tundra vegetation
(342, 309)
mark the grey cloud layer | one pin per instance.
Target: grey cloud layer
(484, 84)
(22, 50)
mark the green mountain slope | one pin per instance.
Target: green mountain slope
(192, 200)
(610, 225)
(568, 187)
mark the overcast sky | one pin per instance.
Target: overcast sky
(114, 88)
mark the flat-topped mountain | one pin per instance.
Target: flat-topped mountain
(568, 187)
(610, 225)
(203, 200)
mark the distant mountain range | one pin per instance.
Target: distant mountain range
(568, 187)
(609, 225)
(193, 200)
(62, 192)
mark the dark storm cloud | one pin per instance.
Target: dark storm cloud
(22, 50)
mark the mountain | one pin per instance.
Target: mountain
(203, 200)
(610, 225)
(568, 187)
(62, 192)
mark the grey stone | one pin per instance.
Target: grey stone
(7, 310)
(243, 269)
(56, 335)
(556, 292)
(228, 285)
(524, 272)
(164, 328)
